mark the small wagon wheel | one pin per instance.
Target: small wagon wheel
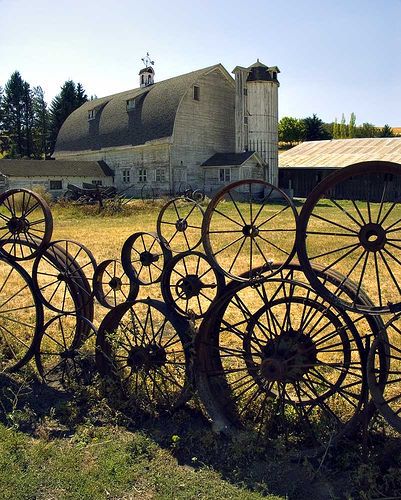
(180, 224)
(184, 189)
(293, 366)
(25, 217)
(387, 395)
(362, 239)
(143, 350)
(198, 195)
(143, 257)
(65, 353)
(190, 283)
(111, 285)
(61, 274)
(248, 227)
(21, 316)
(147, 192)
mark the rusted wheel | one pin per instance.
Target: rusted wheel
(143, 257)
(248, 227)
(279, 360)
(179, 224)
(21, 316)
(112, 286)
(361, 239)
(190, 283)
(143, 349)
(384, 379)
(65, 353)
(62, 273)
(25, 217)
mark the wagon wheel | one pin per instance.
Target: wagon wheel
(21, 316)
(387, 395)
(147, 193)
(26, 217)
(61, 274)
(184, 189)
(249, 225)
(198, 195)
(361, 238)
(111, 285)
(65, 353)
(190, 283)
(293, 367)
(143, 350)
(179, 224)
(143, 258)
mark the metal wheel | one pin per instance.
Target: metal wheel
(111, 285)
(248, 227)
(179, 224)
(143, 257)
(361, 238)
(61, 274)
(279, 360)
(21, 316)
(190, 283)
(386, 393)
(26, 217)
(198, 195)
(143, 349)
(65, 353)
(147, 192)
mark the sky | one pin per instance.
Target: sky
(335, 56)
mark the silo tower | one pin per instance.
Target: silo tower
(256, 114)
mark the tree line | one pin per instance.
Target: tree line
(28, 126)
(293, 130)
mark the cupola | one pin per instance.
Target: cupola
(147, 74)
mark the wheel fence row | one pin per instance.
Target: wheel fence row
(284, 324)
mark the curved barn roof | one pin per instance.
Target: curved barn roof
(150, 117)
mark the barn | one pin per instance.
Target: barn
(304, 166)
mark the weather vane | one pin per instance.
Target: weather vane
(147, 60)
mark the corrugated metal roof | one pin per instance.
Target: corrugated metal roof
(221, 159)
(61, 168)
(339, 153)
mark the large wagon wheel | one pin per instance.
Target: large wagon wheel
(21, 316)
(143, 257)
(179, 224)
(248, 227)
(361, 239)
(62, 275)
(112, 286)
(25, 217)
(143, 349)
(190, 283)
(386, 393)
(277, 359)
(65, 353)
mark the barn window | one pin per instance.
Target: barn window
(130, 104)
(245, 120)
(225, 174)
(245, 91)
(97, 182)
(196, 93)
(143, 175)
(91, 114)
(126, 175)
(56, 185)
(160, 175)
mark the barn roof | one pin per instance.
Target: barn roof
(339, 153)
(229, 159)
(54, 168)
(151, 117)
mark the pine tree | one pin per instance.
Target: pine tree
(70, 98)
(28, 121)
(41, 123)
(351, 126)
(386, 131)
(13, 113)
(315, 129)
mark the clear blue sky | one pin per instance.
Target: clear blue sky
(335, 56)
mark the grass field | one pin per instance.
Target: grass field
(54, 445)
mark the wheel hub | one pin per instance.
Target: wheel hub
(146, 357)
(288, 357)
(250, 230)
(181, 225)
(372, 237)
(17, 225)
(115, 283)
(69, 354)
(147, 258)
(189, 287)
